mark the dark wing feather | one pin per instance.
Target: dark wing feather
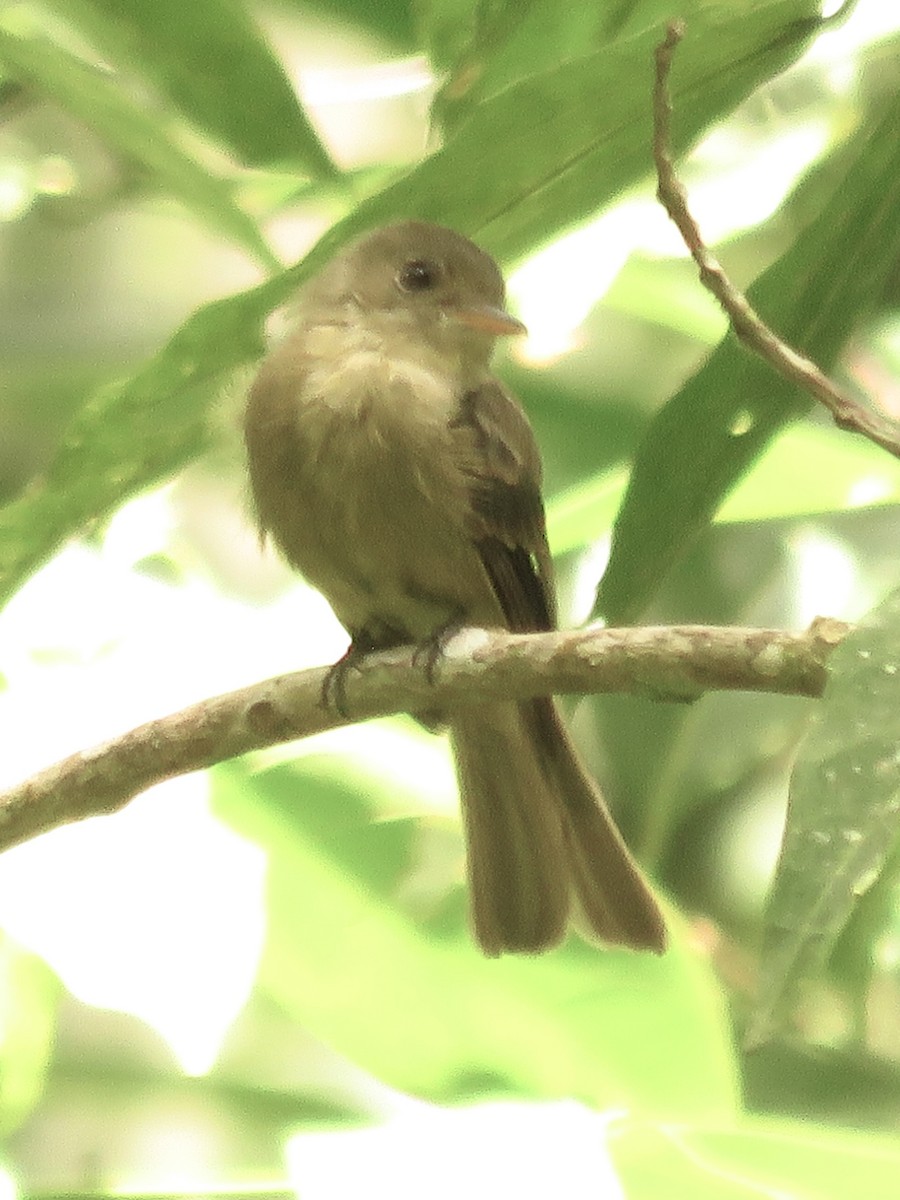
(498, 453)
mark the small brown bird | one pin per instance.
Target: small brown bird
(402, 479)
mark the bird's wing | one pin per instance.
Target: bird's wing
(498, 454)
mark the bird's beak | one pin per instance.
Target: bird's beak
(488, 319)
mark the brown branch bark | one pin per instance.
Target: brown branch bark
(669, 663)
(748, 326)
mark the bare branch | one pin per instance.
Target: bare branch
(847, 412)
(672, 663)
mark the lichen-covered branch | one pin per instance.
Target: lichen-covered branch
(668, 663)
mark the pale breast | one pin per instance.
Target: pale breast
(379, 470)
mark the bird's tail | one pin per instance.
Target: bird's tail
(539, 835)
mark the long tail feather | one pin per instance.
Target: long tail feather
(537, 829)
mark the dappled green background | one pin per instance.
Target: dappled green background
(257, 975)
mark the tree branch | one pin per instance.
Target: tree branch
(749, 327)
(671, 663)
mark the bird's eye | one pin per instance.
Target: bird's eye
(418, 275)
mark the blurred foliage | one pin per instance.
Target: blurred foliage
(468, 1024)
(817, 293)
(158, 164)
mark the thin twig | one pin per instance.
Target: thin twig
(749, 327)
(672, 662)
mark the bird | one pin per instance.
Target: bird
(402, 479)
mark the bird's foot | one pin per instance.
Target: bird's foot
(363, 643)
(334, 687)
(428, 654)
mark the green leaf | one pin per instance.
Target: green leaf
(532, 159)
(809, 470)
(392, 21)
(469, 40)
(585, 512)
(93, 97)
(131, 435)
(490, 46)
(414, 1001)
(706, 436)
(552, 149)
(753, 1158)
(665, 294)
(29, 994)
(211, 59)
(446, 27)
(806, 471)
(843, 817)
(137, 433)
